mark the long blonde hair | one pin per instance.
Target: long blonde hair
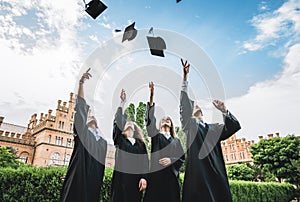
(172, 128)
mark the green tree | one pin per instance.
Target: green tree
(140, 115)
(276, 155)
(182, 136)
(8, 157)
(262, 174)
(130, 111)
(240, 172)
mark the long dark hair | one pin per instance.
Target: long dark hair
(172, 128)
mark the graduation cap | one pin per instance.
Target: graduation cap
(156, 44)
(94, 8)
(129, 33)
(177, 1)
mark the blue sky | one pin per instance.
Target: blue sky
(254, 45)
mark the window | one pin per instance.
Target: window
(72, 115)
(24, 157)
(54, 158)
(242, 155)
(62, 125)
(59, 124)
(67, 159)
(65, 116)
(71, 126)
(233, 156)
(49, 139)
(69, 143)
(58, 140)
(226, 157)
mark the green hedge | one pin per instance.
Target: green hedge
(44, 184)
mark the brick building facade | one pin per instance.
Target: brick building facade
(47, 140)
(236, 150)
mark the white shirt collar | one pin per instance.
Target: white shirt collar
(167, 134)
(95, 133)
(132, 140)
(200, 121)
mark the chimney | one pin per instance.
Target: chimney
(64, 105)
(42, 117)
(49, 113)
(58, 104)
(252, 141)
(71, 97)
(277, 135)
(1, 120)
(243, 139)
(270, 136)
(260, 137)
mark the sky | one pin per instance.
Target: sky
(253, 44)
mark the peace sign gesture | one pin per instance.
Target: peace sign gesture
(186, 68)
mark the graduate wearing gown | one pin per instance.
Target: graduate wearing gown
(131, 159)
(205, 175)
(167, 156)
(86, 168)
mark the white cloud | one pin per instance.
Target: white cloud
(106, 25)
(274, 105)
(281, 23)
(40, 55)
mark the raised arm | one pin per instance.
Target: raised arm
(149, 116)
(120, 120)
(186, 105)
(81, 107)
(231, 124)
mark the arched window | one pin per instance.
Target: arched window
(54, 158)
(24, 157)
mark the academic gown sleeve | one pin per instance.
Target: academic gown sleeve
(80, 118)
(118, 125)
(231, 126)
(186, 111)
(150, 120)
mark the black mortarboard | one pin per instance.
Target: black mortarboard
(129, 33)
(94, 8)
(156, 44)
(177, 1)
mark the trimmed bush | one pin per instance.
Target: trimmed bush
(44, 184)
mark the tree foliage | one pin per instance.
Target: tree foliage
(277, 155)
(240, 172)
(8, 157)
(130, 112)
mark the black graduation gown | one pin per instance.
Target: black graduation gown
(84, 177)
(205, 177)
(164, 184)
(131, 164)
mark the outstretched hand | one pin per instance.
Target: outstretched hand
(123, 95)
(151, 88)
(186, 68)
(220, 106)
(85, 76)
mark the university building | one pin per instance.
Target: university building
(236, 150)
(48, 139)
